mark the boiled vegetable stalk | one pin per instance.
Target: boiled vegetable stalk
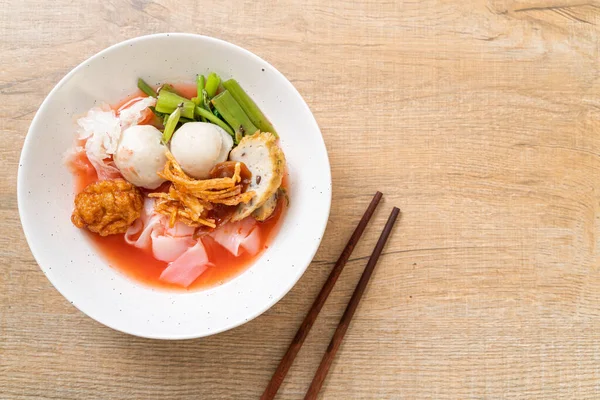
(171, 125)
(168, 101)
(233, 114)
(144, 87)
(212, 84)
(200, 83)
(249, 106)
(214, 119)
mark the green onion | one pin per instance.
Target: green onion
(215, 120)
(167, 102)
(233, 114)
(200, 83)
(249, 106)
(171, 125)
(144, 87)
(212, 84)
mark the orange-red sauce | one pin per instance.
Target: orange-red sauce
(140, 264)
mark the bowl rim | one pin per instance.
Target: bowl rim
(38, 252)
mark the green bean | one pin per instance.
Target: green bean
(212, 84)
(249, 106)
(215, 120)
(171, 125)
(233, 114)
(144, 87)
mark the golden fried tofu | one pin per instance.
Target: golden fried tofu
(107, 207)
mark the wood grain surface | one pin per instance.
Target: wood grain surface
(480, 119)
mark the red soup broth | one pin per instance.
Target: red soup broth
(140, 264)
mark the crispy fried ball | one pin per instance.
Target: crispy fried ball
(107, 207)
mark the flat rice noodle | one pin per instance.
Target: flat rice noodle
(105, 169)
(238, 236)
(143, 240)
(252, 242)
(169, 248)
(152, 230)
(133, 232)
(188, 267)
(139, 233)
(179, 230)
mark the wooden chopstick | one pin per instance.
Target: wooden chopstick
(338, 336)
(292, 351)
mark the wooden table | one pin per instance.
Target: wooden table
(479, 119)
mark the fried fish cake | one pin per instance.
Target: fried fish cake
(107, 207)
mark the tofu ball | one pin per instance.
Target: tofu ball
(199, 146)
(141, 155)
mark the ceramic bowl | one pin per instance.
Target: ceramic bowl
(69, 260)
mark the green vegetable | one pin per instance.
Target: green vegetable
(167, 102)
(199, 103)
(171, 125)
(249, 106)
(187, 110)
(233, 114)
(212, 84)
(158, 114)
(200, 83)
(215, 120)
(205, 101)
(216, 113)
(144, 87)
(168, 87)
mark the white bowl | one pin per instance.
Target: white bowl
(45, 190)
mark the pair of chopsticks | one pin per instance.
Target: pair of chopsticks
(338, 336)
